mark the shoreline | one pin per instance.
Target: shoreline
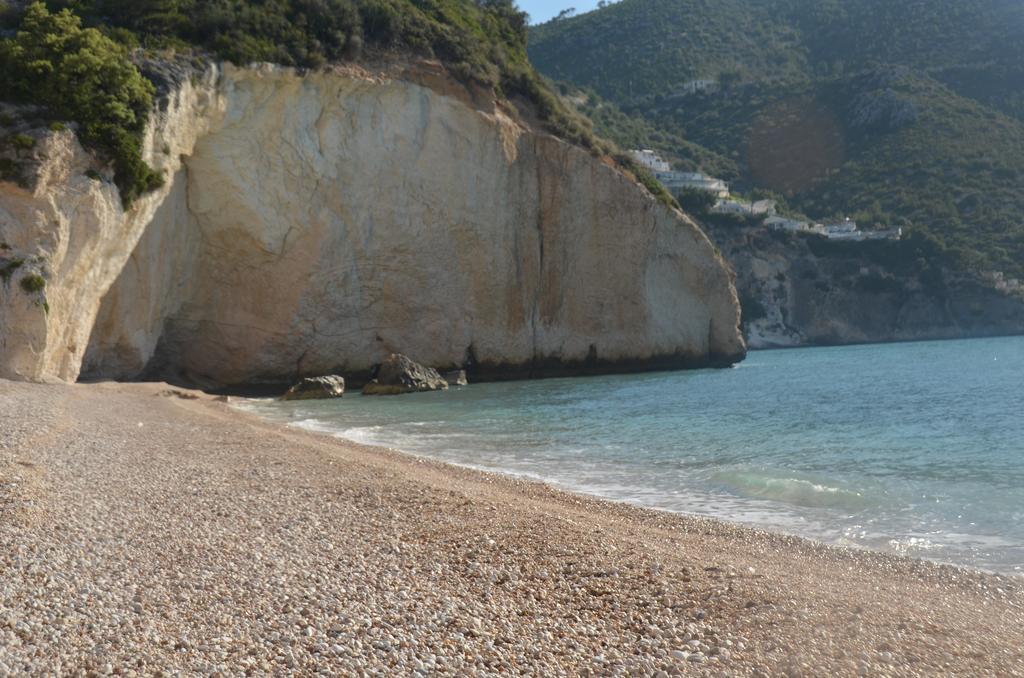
(552, 485)
(885, 342)
(556, 486)
(366, 425)
(499, 573)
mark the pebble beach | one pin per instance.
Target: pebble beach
(146, 530)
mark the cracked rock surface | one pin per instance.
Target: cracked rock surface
(314, 223)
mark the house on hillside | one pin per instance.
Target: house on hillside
(759, 208)
(766, 207)
(650, 160)
(731, 207)
(884, 234)
(843, 230)
(677, 181)
(702, 85)
(1004, 284)
(840, 227)
(777, 223)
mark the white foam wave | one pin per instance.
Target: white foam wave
(791, 490)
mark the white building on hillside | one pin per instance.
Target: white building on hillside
(777, 223)
(766, 207)
(756, 209)
(845, 226)
(731, 207)
(886, 234)
(843, 230)
(702, 85)
(1004, 284)
(677, 181)
(650, 160)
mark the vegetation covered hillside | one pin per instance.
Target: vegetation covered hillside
(75, 61)
(650, 48)
(889, 111)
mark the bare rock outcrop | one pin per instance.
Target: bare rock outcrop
(456, 378)
(67, 223)
(400, 374)
(316, 223)
(317, 388)
(800, 291)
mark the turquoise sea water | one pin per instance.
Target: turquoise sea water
(914, 448)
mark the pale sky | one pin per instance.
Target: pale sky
(542, 10)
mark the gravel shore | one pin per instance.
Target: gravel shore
(143, 532)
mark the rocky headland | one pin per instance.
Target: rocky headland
(806, 291)
(315, 222)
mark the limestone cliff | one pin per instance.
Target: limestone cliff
(318, 222)
(64, 222)
(800, 291)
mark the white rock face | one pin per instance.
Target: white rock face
(315, 224)
(72, 230)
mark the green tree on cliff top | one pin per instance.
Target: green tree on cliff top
(79, 74)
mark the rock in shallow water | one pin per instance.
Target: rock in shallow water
(456, 378)
(314, 388)
(399, 374)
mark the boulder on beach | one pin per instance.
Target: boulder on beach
(456, 378)
(314, 388)
(399, 374)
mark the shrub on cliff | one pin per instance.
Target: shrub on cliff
(78, 74)
(647, 180)
(32, 283)
(85, 74)
(697, 201)
(483, 41)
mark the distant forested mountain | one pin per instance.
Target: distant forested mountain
(891, 111)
